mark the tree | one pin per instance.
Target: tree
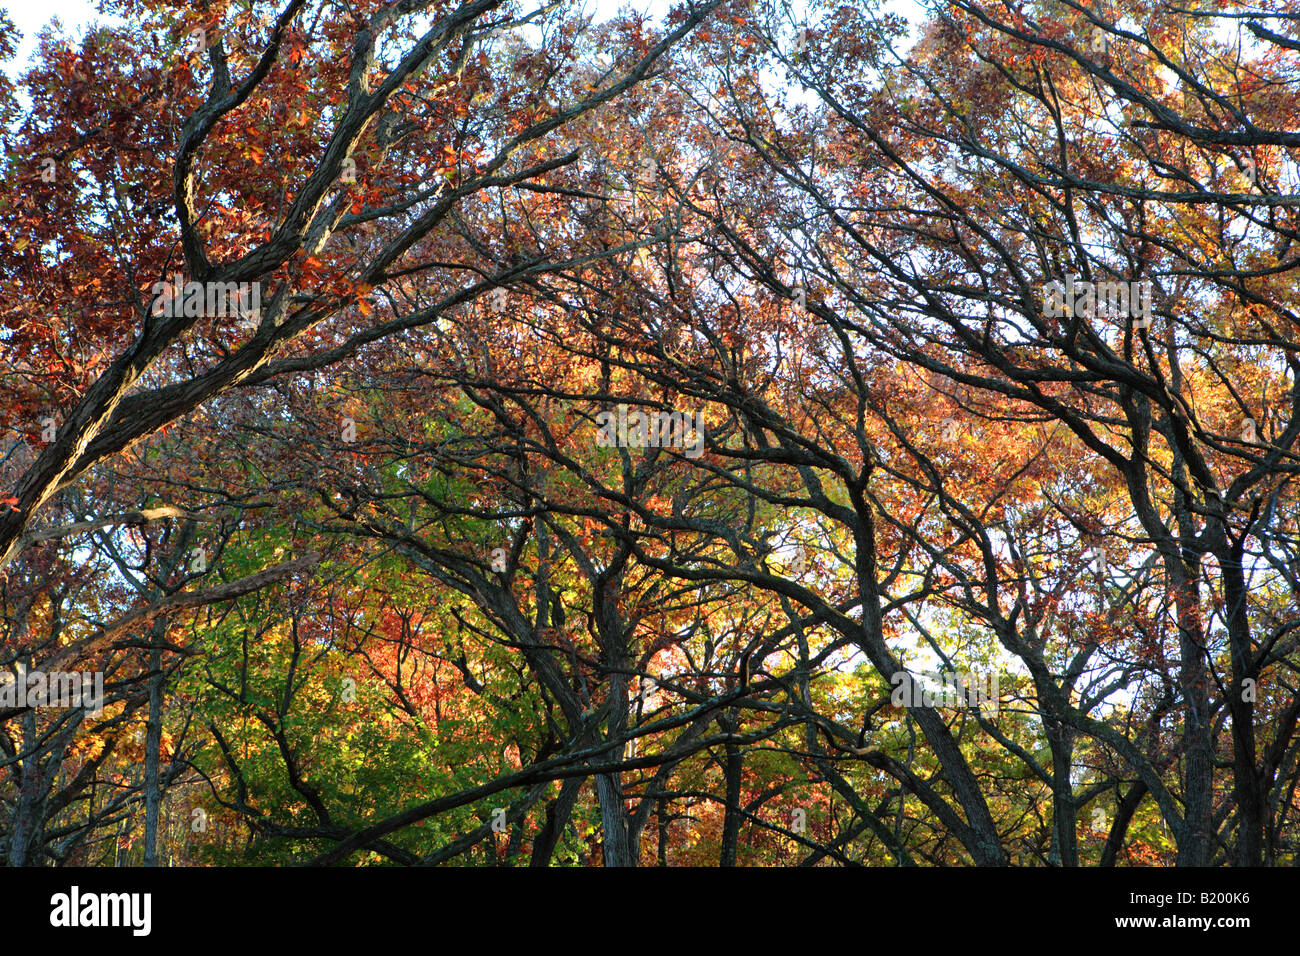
(776, 444)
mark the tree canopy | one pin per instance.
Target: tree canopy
(483, 433)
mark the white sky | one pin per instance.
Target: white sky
(31, 15)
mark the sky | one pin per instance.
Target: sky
(31, 15)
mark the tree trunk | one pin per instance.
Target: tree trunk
(734, 766)
(152, 751)
(557, 818)
(1247, 779)
(617, 847)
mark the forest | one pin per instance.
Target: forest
(535, 433)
